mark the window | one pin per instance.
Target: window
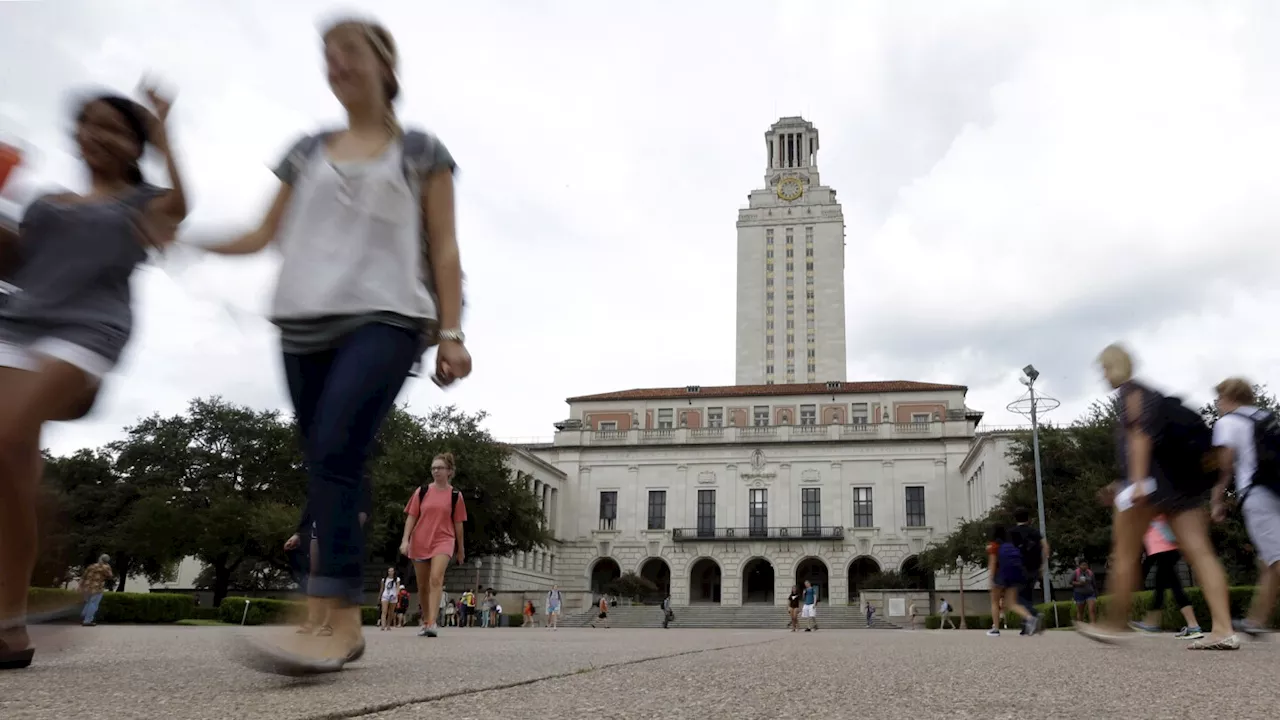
(768, 282)
(790, 252)
(811, 510)
(921, 417)
(715, 416)
(812, 353)
(791, 323)
(808, 294)
(808, 252)
(791, 266)
(608, 509)
(769, 296)
(768, 324)
(657, 509)
(768, 234)
(862, 515)
(791, 338)
(769, 253)
(760, 415)
(808, 265)
(758, 513)
(664, 418)
(609, 426)
(706, 513)
(915, 507)
(860, 415)
(808, 414)
(768, 369)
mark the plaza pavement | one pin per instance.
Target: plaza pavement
(181, 673)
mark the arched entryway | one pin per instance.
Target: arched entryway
(757, 581)
(657, 571)
(704, 581)
(815, 571)
(604, 571)
(861, 570)
(917, 577)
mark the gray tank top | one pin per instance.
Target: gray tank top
(76, 261)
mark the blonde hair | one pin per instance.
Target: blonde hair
(384, 47)
(1117, 363)
(1237, 390)
(447, 457)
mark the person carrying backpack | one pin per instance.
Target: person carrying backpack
(432, 535)
(1169, 465)
(1249, 441)
(1034, 550)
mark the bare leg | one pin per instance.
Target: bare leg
(1092, 605)
(422, 571)
(1127, 530)
(1011, 600)
(435, 585)
(995, 608)
(1264, 598)
(1192, 531)
(27, 400)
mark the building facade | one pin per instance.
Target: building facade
(732, 494)
(791, 321)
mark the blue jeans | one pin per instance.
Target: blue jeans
(340, 397)
(91, 608)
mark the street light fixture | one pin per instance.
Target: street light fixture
(1031, 405)
(960, 566)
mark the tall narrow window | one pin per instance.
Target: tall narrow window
(657, 509)
(608, 509)
(811, 511)
(706, 513)
(915, 507)
(863, 517)
(759, 513)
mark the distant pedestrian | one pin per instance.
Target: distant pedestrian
(1084, 592)
(809, 610)
(793, 608)
(667, 613)
(945, 612)
(1163, 555)
(603, 617)
(92, 584)
(433, 535)
(1006, 574)
(553, 608)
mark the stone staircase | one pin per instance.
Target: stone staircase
(745, 617)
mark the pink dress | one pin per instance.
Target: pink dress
(1159, 537)
(433, 534)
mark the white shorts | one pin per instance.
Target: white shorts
(389, 598)
(1262, 520)
(27, 357)
(809, 611)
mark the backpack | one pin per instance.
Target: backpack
(1266, 441)
(1182, 447)
(416, 150)
(453, 507)
(1028, 546)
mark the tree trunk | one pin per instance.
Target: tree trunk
(221, 583)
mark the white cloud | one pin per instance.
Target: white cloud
(1024, 182)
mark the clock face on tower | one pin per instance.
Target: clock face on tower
(790, 189)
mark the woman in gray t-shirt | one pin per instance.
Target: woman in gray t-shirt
(67, 322)
(358, 294)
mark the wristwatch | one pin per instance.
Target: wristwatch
(452, 336)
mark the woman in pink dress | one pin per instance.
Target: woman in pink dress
(433, 534)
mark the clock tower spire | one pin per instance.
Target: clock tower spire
(791, 322)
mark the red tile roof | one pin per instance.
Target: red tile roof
(726, 391)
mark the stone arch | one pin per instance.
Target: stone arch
(860, 569)
(705, 581)
(657, 571)
(815, 570)
(759, 580)
(601, 572)
(911, 570)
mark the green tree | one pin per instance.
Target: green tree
(1075, 462)
(222, 482)
(633, 587)
(502, 516)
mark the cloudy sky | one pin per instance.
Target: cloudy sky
(1022, 182)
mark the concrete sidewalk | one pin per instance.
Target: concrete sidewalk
(177, 673)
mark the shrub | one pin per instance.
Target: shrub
(149, 608)
(206, 613)
(265, 611)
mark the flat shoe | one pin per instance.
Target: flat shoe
(267, 658)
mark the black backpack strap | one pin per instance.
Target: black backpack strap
(453, 509)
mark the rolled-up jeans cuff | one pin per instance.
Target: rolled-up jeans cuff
(340, 588)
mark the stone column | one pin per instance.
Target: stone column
(633, 512)
(892, 502)
(735, 516)
(784, 516)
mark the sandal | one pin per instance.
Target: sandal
(324, 631)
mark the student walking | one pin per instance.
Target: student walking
(1248, 439)
(553, 608)
(809, 610)
(68, 323)
(1166, 453)
(1084, 592)
(1163, 555)
(945, 612)
(433, 535)
(369, 278)
(1006, 573)
(793, 608)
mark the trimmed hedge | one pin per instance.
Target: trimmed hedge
(1240, 599)
(264, 611)
(143, 608)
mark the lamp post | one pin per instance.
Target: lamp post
(1030, 406)
(960, 566)
(478, 563)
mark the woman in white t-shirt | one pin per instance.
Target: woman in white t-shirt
(390, 589)
(369, 278)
